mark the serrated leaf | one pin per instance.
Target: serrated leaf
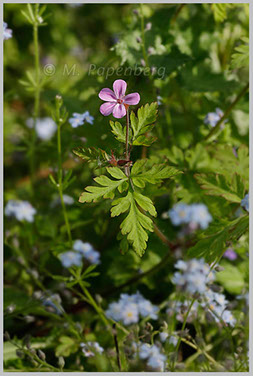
(214, 240)
(106, 190)
(145, 203)
(144, 140)
(220, 11)
(136, 223)
(218, 185)
(240, 58)
(142, 173)
(118, 131)
(143, 123)
(99, 156)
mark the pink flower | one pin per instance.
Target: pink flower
(116, 101)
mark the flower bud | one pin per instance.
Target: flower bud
(11, 308)
(143, 62)
(41, 355)
(149, 327)
(138, 40)
(33, 352)
(61, 362)
(148, 26)
(20, 354)
(26, 341)
(219, 268)
(151, 50)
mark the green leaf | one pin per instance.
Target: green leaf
(145, 203)
(231, 278)
(116, 172)
(67, 346)
(136, 223)
(143, 123)
(99, 156)
(118, 131)
(226, 162)
(107, 186)
(218, 185)
(214, 240)
(198, 78)
(240, 58)
(142, 173)
(171, 61)
(220, 11)
(175, 155)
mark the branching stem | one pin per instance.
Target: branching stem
(59, 185)
(227, 112)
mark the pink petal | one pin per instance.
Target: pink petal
(106, 108)
(107, 95)
(119, 87)
(119, 111)
(132, 99)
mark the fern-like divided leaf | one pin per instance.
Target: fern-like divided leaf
(231, 189)
(220, 11)
(143, 123)
(119, 131)
(142, 173)
(136, 224)
(215, 240)
(240, 59)
(92, 154)
(107, 186)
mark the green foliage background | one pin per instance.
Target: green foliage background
(204, 50)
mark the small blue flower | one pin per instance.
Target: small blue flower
(76, 120)
(179, 214)
(193, 277)
(146, 308)
(89, 349)
(212, 118)
(7, 32)
(163, 336)
(88, 118)
(71, 258)
(155, 359)
(130, 308)
(21, 210)
(200, 215)
(130, 314)
(87, 250)
(245, 202)
(228, 318)
(159, 100)
(45, 127)
(173, 340)
(79, 119)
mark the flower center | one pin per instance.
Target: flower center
(120, 101)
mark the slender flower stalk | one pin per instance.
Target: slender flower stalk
(127, 152)
(59, 185)
(215, 129)
(182, 329)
